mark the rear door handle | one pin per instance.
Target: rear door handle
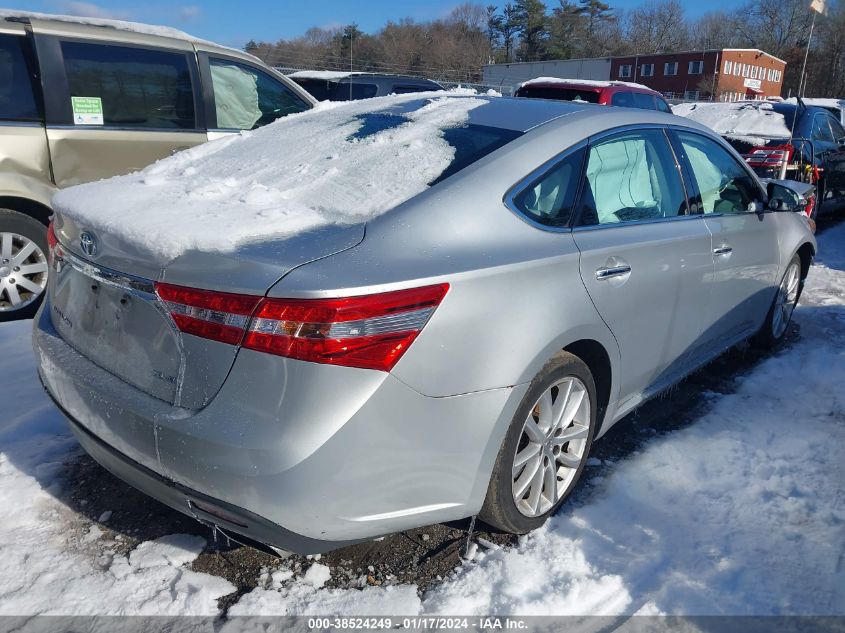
(723, 250)
(612, 271)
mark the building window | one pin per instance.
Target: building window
(625, 70)
(696, 67)
(746, 70)
(777, 75)
(670, 68)
(754, 72)
(647, 70)
(728, 67)
(737, 69)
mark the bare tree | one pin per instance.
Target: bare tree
(657, 26)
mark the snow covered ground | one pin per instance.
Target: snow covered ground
(740, 512)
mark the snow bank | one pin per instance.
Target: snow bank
(301, 172)
(580, 82)
(752, 121)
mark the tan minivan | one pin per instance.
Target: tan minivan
(82, 101)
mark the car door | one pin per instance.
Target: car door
(645, 261)
(835, 167)
(745, 240)
(240, 96)
(113, 108)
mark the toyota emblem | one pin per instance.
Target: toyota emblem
(88, 243)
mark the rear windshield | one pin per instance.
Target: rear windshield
(323, 90)
(561, 94)
(471, 142)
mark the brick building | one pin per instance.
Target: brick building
(730, 74)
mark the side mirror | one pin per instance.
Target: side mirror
(789, 195)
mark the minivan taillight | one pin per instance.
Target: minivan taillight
(368, 331)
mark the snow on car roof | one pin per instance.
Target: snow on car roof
(336, 164)
(133, 27)
(751, 121)
(334, 75)
(581, 82)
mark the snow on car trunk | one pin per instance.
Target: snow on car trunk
(751, 122)
(336, 165)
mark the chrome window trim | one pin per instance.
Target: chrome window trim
(619, 225)
(120, 128)
(523, 183)
(11, 123)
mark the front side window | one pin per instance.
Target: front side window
(723, 183)
(821, 129)
(17, 98)
(837, 129)
(129, 87)
(631, 177)
(549, 200)
(246, 98)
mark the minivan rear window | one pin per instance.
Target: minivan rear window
(17, 97)
(137, 87)
(561, 94)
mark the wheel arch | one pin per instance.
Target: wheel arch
(805, 252)
(597, 359)
(28, 207)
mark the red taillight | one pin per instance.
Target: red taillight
(219, 316)
(51, 237)
(774, 156)
(369, 331)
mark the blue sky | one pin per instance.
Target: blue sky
(234, 23)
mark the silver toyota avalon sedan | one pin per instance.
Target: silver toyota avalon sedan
(454, 354)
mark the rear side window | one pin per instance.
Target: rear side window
(724, 185)
(550, 199)
(320, 89)
(17, 97)
(401, 89)
(624, 99)
(632, 177)
(561, 94)
(136, 87)
(246, 98)
(644, 101)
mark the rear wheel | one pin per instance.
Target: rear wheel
(783, 305)
(23, 265)
(545, 448)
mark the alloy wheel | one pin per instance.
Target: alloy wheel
(786, 299)
(551, 446)
(23, 271)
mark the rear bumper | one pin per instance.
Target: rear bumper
(193, 503)
(301, 456)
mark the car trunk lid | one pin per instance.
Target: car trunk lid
(104, 303)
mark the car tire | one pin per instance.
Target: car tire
(780, 313)
(23, 265)
(509, 505)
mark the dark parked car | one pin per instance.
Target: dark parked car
(617, 93)
(815, 154)
(325, 85)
